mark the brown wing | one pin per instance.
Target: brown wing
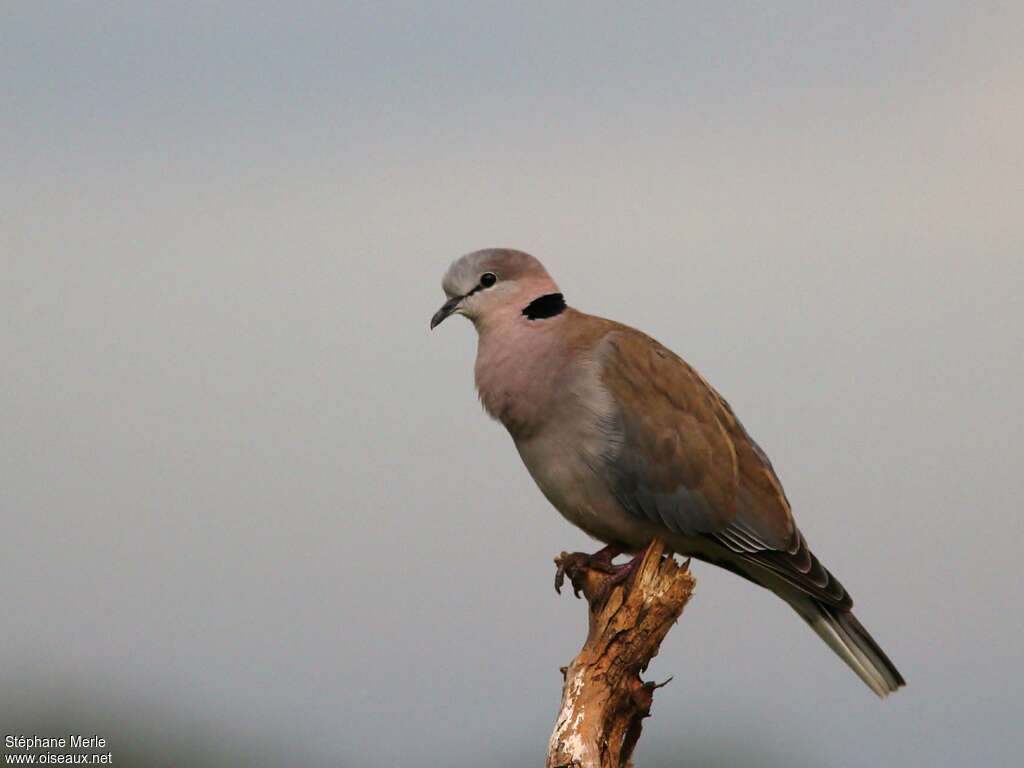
(681, 458)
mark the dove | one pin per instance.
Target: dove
(629, 443)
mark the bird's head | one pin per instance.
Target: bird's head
(498, 283)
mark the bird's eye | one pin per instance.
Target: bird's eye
(487, 279)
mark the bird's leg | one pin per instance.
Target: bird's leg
(620, 574)
(624, 571)
(572, 563)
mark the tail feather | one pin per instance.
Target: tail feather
(852, 643)
(834, 623)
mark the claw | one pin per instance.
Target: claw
(566, 562)
(656, 686)
(559, 573)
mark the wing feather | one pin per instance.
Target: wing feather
(679, 457)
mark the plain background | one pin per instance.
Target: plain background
(251, 511)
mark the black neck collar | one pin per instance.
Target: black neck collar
(546, 306)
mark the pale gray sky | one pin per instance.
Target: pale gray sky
(250, 505)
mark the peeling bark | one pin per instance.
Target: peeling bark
(604, 700)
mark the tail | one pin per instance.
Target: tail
(851, 642)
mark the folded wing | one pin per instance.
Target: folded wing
(678, 456)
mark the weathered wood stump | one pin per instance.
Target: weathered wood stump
(604, 700)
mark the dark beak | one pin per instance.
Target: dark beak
(448, 307)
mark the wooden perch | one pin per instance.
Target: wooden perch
(604, 701)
